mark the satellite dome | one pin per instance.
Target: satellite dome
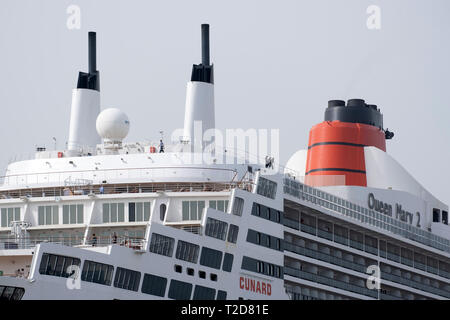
(112, 124)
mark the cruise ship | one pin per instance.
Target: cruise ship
(112, 220)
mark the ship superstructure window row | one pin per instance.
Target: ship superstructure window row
(192, 210)
(58, 265)
(154, 285)
(96, 272)
(262, 267)
(310, 224)
(8, 215)
(264, 240)
(162, 244)
(113, 212)
(127, 279)
(414, 232)
(73, 214)
(187, 251)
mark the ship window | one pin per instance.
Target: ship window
(154, 285)
(444, 217)
(138, 211)
(162, 211)
(127, 279)
(266, 188)
(227, 262)
(436, 215)
(213, 277)
(11, 293)
(9, 215)
(221, 205)
(162, 245)
(216, 228)
(192, 210)
(190, 271)
(262, 267)
(97, 272)
(178, 268)
(72, 213)
(187, 251)
(211, 258)
(233, 233)
(113, 212)
(48, 215)
(56, 265)
(204, 293)
(180, 290)
(202, 274)
(221, 295)
(238, 206)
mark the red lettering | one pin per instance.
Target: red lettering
(241, 282)
(263, 288)
(247, 284)
(252, 285)
(269, 289)
(258, 288)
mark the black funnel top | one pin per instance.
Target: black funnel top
(90, 80)
(356, 111)
(204, 72)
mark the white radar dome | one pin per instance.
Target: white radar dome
(112, 124)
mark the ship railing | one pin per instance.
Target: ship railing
(364, 215)
(11, 243)
(99, 189)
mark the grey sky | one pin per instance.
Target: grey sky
(277, 63)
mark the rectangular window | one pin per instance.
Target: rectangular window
(262, 267)
(154, 285)
(187, 251)
(9, 215)
(113, 212)
(97, 272)
(192, 210)
(131, 212)
(204, 293)
(233, 233)
(48, 215)
(180, 290)
(57, 265)
(211, 258)
(266, 188)
(238, 206)
(162, 245)
(216, 228)
(227, 262)
(221, 295)
(436, 215)
(127, 279)
(73, 214)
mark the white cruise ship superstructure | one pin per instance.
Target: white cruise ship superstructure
(105, 219)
